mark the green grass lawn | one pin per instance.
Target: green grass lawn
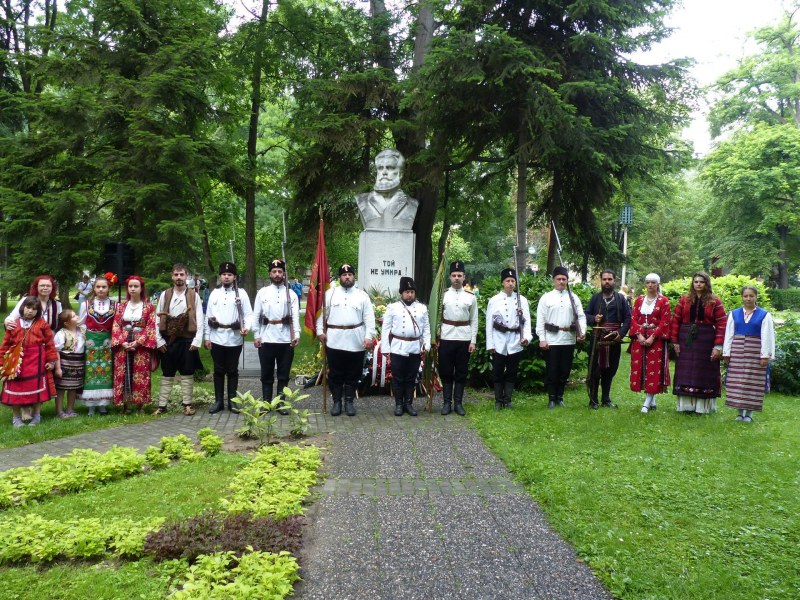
(183, 490)
(663, 505)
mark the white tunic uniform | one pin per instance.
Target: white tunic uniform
(271, 304)
(556, 309)
(222, 307)
(348, 306)
(177, 307)
(460, 305)
(398, 322)
(502, 309)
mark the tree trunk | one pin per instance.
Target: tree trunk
(521, 253)
(198, 206)
(783, 266)
(250, 283)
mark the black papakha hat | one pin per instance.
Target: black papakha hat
(561, 271)
(506, 273)
(345, 268)
(227, 267)
(406, 284)
(277, 264)
(457, 265)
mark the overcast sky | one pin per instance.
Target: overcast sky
(713, 33)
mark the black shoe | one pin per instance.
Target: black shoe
(593, 404)
(336, 409)
(218, 406)
(609, 404)
(551, 404)
(508, 391)
(233, 407)
(446, 407)
(459, 408)
(349, 408)
(499, 400)
(398, 408)
(409, 408)
(560, 402)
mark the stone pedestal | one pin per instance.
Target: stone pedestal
(383, 257)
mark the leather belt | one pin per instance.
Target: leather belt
(283, 321)
(356, 326)
(402, 337)
(551, 327)
(455, 323)
(504, 329)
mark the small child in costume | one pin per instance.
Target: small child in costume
(28, 359)
(70, 343)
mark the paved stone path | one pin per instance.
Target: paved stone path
(410, 508)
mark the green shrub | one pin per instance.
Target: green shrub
(211, 444)
(532, 365)
(225, 576)
(275, 482)
(79, 470)
(36, 539)
(155, 458)
(728, 288)
(179, 447)
(788, 299)
(785, 369)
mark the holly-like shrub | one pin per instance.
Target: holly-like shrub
(728, 288)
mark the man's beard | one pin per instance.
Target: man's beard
(180, 284)
(387, 185)
(608, 289)
(347, 283)
(457, 284)
(408, 302)
(277, 280)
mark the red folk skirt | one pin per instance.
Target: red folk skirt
(34, 383)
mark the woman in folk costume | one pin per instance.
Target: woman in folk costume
(97, 315)
(29, 357)
(133, 340)
(650, 329)
(697, 333)
(45, 290)
(748, 348)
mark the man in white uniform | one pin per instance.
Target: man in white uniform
(459, 332)
(508, 331)
(277, 317)
(560, 321)
(347, 330)
(228, 319)
(406, 335)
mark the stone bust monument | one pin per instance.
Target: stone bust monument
(387, 206)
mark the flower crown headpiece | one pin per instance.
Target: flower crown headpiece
(112, 278)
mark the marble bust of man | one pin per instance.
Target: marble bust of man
(387, 206)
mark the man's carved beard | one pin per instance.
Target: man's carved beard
(409, 302)
(383, 185)
(276, 279)
(347, 283)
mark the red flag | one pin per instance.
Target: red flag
(320, 282)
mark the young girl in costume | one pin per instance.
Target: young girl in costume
(70, 343)
(97, 315)
(29, 357)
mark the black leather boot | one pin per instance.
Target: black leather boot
(498, 396)
(219, 394)
(607, 403)
(336, 394)
(508, 390)
(349, 398)
(408, 404)
(458, 398)
(593, 403)
(398, 402)
(233, 387)
(552, 403)
(447, 398)
(282, 383)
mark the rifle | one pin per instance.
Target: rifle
(286, 279)
(519, 300)
(578, 332)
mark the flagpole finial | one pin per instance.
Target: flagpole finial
(320, 213)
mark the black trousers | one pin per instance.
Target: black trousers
(226, 359)
(404, 370)
(559, 365)
(602, 377)
(505, 367)
(272, 356)
(344, 367)
(178, 358)
(453, 361)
